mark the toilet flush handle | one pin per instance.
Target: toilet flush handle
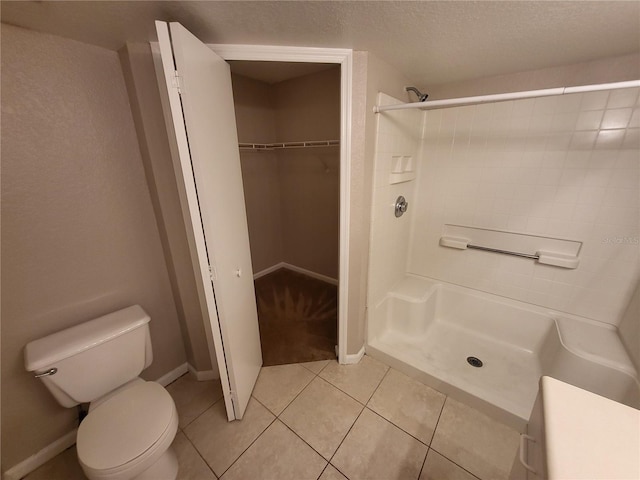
(51, 371)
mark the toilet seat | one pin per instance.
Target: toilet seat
(128, 432)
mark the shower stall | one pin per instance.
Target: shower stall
(516, 254)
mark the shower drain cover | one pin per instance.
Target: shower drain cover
(474, 362)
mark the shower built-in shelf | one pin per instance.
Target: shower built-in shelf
(402, 169)
(283, 145)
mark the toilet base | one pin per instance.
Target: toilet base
(165, 468)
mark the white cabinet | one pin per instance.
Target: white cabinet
(576, 434)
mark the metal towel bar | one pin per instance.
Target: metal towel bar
(541, 256)
(506, 252)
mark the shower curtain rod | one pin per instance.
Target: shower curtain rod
(501, 97)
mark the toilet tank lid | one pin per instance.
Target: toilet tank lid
(44, 352)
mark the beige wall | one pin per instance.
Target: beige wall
(292, 196)
(255, 105)
(255, 120)
(308, 108)
(79, 237)
(615, 69)
(144, 96)
(262, 199)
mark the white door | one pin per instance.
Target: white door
(202, 109)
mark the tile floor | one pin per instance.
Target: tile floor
(326, 421)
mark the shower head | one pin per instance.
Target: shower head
(421, 96)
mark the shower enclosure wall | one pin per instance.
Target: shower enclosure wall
(519, 174)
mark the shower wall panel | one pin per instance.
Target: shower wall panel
(566, 167)
(398, 141)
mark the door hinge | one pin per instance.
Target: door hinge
(177, 82)
(212, 272)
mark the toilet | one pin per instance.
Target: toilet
(131, 423)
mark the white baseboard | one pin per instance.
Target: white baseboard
(268, 270)
(36, 460)
(202, 375)
(319, 276)
(173, 375)
(355, 358)
(304, 271)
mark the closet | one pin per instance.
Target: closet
(288, 123)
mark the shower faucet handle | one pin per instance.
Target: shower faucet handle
(401, 206)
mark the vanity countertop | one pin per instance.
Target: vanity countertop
(588, 436)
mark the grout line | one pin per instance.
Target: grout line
(456, 464)
(251, 444)
(323, 470)
(263, 405)
(321, 455)
(342, 441)
(306, 443)
(294, 398)
(424, 462)
(339, 471)
(201, 413)
(199, 454)
(379, 383)
(316, 375)
(397, 426)
(346, 393)
(364, 404)
(446, 397)
(440, 453)
(329, 360)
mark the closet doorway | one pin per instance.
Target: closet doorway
(288, 123)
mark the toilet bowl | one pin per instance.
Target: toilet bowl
(127, 434)
(131, 423)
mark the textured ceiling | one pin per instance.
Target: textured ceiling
(431, 42)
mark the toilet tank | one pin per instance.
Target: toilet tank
(93, 358)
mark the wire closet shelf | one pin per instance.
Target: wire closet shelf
(501, 97)
(284, 145)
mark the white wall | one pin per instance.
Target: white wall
(605, 70)
(630, 328)
(565, 167)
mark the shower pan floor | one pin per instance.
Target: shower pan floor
(508, 377)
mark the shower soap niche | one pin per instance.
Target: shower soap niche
(401, 169)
